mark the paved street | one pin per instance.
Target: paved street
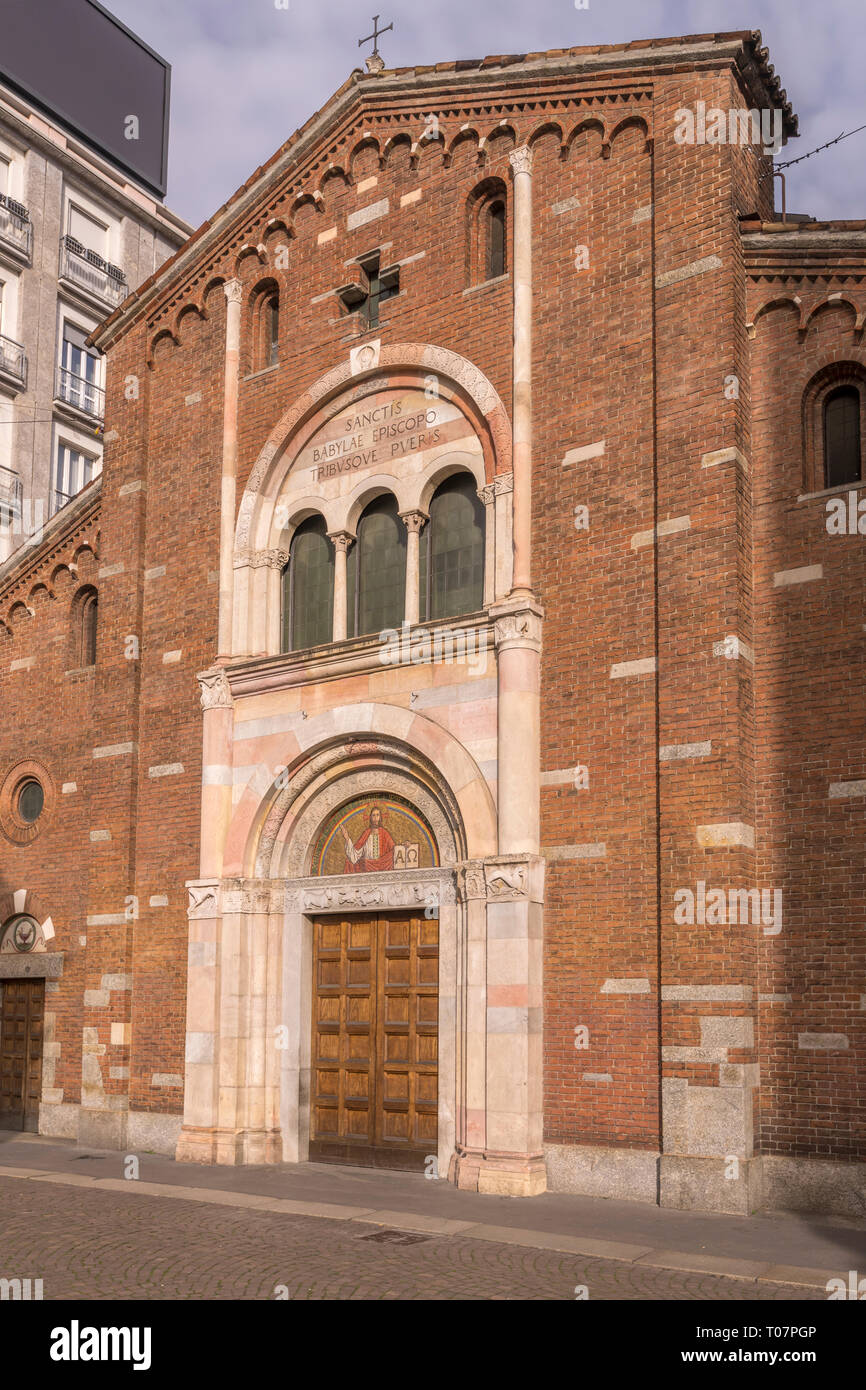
(100, 1244)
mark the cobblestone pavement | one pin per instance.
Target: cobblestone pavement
(103, 1245)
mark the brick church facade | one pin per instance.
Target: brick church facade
(437, 739)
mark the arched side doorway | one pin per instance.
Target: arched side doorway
(23, 967)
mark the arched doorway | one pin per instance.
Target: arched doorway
(374, 1046)
(22, 1019)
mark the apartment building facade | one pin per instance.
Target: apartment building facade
(77, 235)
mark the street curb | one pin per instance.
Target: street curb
(748, 1271)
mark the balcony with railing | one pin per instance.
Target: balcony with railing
(11, 496)
(16, 229)
(79, 393)
(89, 273)
(59, 499)
(13, 364)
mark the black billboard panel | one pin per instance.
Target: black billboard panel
(83, 66)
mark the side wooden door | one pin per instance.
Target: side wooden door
(374, 1073)
(22, 1009)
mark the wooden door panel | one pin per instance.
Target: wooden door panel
(375, 1033)
(21, 1027)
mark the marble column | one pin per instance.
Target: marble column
(413, 521)
(341, 540)
(233, 292)
(486, 496)
(499, 1148)
(521, 164)
(517, 634)
(216, 773)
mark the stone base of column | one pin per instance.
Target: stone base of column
(233, 1147)
(500, 1175)
(688, 1183)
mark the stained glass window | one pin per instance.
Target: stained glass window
(308, 588)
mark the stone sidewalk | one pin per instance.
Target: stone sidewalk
(761, 1253)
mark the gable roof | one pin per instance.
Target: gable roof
(743, 49)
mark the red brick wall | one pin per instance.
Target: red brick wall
(49, 717)
(811, 665)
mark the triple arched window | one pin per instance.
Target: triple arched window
(450, 579)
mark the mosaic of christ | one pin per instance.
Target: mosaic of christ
(372, 834)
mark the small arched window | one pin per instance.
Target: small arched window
(496, 239)
(308, 588)
(452, 551)
(263, 344)
(842, 437)
(82, 636)
(376, 570)
(487, 232)
(271, 331)
(89, 613)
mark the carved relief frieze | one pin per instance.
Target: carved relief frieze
(203, 898)
(391, 890)
(215, 692)
(471, 882)
(506, 880)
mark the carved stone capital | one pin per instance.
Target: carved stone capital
(215, 691)
(517, 627)
(203, 898)
(341, 541)
(507, 879)
(487, 493)
(269, 559)
(503, 483)
(233, 290)
(414, 521)
(521, 160)
(470, 880)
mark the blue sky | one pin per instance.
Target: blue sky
(245, 75)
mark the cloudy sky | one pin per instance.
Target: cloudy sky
(246, 74)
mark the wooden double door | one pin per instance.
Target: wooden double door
(22, 1010)
(374, 1063)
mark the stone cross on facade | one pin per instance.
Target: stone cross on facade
(379, 284)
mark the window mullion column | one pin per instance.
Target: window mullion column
(341, 541)
(413, 522)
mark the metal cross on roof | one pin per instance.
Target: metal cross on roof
(374, 62)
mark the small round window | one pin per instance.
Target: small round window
(30, 801)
